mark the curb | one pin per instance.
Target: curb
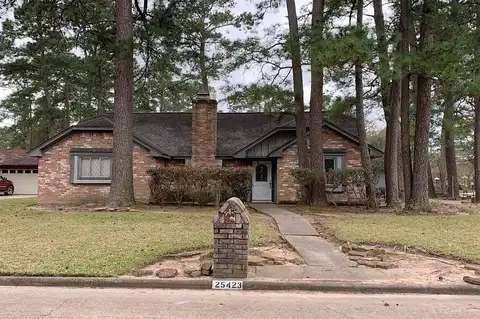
(248, 284)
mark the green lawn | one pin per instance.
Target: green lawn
(456, 236)
(104, 244)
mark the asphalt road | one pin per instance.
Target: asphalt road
(66, 303)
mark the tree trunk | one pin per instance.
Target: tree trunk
(442, 165)
(450, 156)
(51, 129)
(145, 7)
(405, 138)
(121, 189)
(101, 92)
(301, 127)
(401, 184)
(420, 199)
(391, 169)
(371, 201)
(319, 196)
(66, 111)
(476, 148)
(405, 104)
(382, 51)
(203, 65)
(449, 122)
(30, 131)
(90, 91)
(431, 187)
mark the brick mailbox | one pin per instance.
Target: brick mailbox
(231, 234)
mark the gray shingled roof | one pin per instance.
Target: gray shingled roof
(16, 157)
(171, 132)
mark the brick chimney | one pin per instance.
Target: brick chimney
(204, 130)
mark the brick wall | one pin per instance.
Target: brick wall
(335, 140)
(287, 189)
(286, 186)
(54, 171)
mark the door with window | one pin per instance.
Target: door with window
(262, 181)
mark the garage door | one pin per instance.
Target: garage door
(25, 180)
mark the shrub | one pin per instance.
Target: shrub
(180, 180)
(160, 184)
(304, 177)
(241, 183)
(352, 179)
(354, 182)
(202, 185)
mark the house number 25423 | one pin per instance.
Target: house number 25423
(227, 284)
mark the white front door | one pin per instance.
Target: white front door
(262, 181)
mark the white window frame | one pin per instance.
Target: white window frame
(75, 167)
(340, 162)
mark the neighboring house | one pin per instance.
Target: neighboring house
(22, 169)
(75, 165)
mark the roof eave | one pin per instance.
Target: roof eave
(154, 152)
(38, 150)
(352, 137)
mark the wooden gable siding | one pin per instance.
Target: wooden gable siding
(271, 143)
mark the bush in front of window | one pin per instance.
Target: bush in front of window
(349, 180)
(199, 185)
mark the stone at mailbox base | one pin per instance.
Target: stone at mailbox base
(231, 228)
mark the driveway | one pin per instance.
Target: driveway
(3, 197)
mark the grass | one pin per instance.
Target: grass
(454, 236)
(334, 210)
(104, 244)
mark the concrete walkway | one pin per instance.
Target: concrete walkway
(320, 273)
(299, 233)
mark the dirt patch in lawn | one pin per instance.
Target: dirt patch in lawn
(454, 207)
(409, 267)
(417, 268)
(199, 263)
(406, 262)
(439, 207)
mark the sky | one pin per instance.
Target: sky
(375, 117)
(253, 74)
(272, 18)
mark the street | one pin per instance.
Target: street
(65, 303)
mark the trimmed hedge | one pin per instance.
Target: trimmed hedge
(200, 185)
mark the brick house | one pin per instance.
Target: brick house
(74, 165)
